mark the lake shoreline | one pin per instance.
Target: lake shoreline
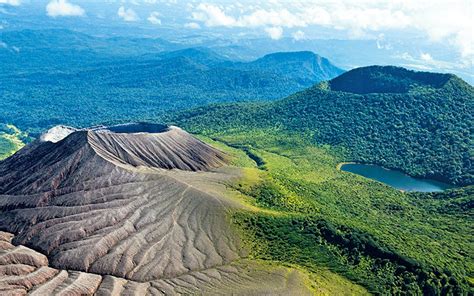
(341, 164)
(394, 178)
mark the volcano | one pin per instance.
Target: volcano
(132, 209)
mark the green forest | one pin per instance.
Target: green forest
(425, 131)
(309, 214)
(11, 140)
(314, 216)
(89, 80)
(213, 147)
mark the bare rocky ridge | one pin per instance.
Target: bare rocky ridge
(130, 209)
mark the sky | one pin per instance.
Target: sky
(447, 23)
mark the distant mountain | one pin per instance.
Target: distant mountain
(306, 66)
(200, 55)
(353, 53)
(75, 79)
(62, 39)
(418, 122)
(59, 49)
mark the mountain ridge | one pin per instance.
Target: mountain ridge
(310, 66)
(64, 85)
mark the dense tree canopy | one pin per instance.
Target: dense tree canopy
(425, 131)
(81, 83)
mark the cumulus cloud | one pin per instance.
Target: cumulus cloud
(128, 15)
(154, 18)
(274, 32)
(356, 20)
(57, 8)
(382, 43)
(442, 21)
(213, 16)
(302, 15)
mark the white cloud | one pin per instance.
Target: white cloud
(57, 8)
(213, 16)
(441, 21)
(192, 25)
(128, 15)
(298, 35)
(274, 32)
(11, 2)
(303, 15)
(263, 17)
(382, 43)
(426, 57)
(405, 56)
(444, 21)
(426, 62)
(154, 18)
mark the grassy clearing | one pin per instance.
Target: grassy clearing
(10, 140)
(308, 213)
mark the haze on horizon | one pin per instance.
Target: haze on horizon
(422, 35)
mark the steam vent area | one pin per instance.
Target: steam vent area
(135, 209)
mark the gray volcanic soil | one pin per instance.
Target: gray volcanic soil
(124, 210)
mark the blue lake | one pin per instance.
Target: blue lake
(395, 178)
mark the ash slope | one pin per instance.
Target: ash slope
(25, 271)
(129, 206)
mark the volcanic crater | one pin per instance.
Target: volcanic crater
(134, 209)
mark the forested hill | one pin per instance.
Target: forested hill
(387, 79)
(305, 66)
(421, 123)
(72, 78)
